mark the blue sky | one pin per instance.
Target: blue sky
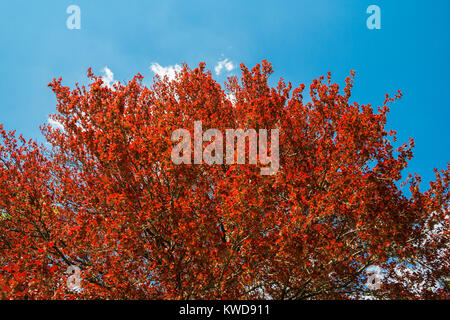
(302, 39)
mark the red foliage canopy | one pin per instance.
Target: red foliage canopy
(107, 198)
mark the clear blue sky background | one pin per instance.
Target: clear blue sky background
(302, 39)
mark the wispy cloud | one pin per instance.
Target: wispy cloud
(55, 124)
(108, 77)
(223, 64)
(232, 98)
(169, 71)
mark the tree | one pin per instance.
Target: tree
(107, 197)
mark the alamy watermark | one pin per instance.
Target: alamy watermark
(214, 152)
(374, 277)
(74, 20)
(74, 280)
(374, 20)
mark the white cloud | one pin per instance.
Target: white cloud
(223, 64)
(169, 71)
(108, 77)
(232, 98)
(55, 124)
